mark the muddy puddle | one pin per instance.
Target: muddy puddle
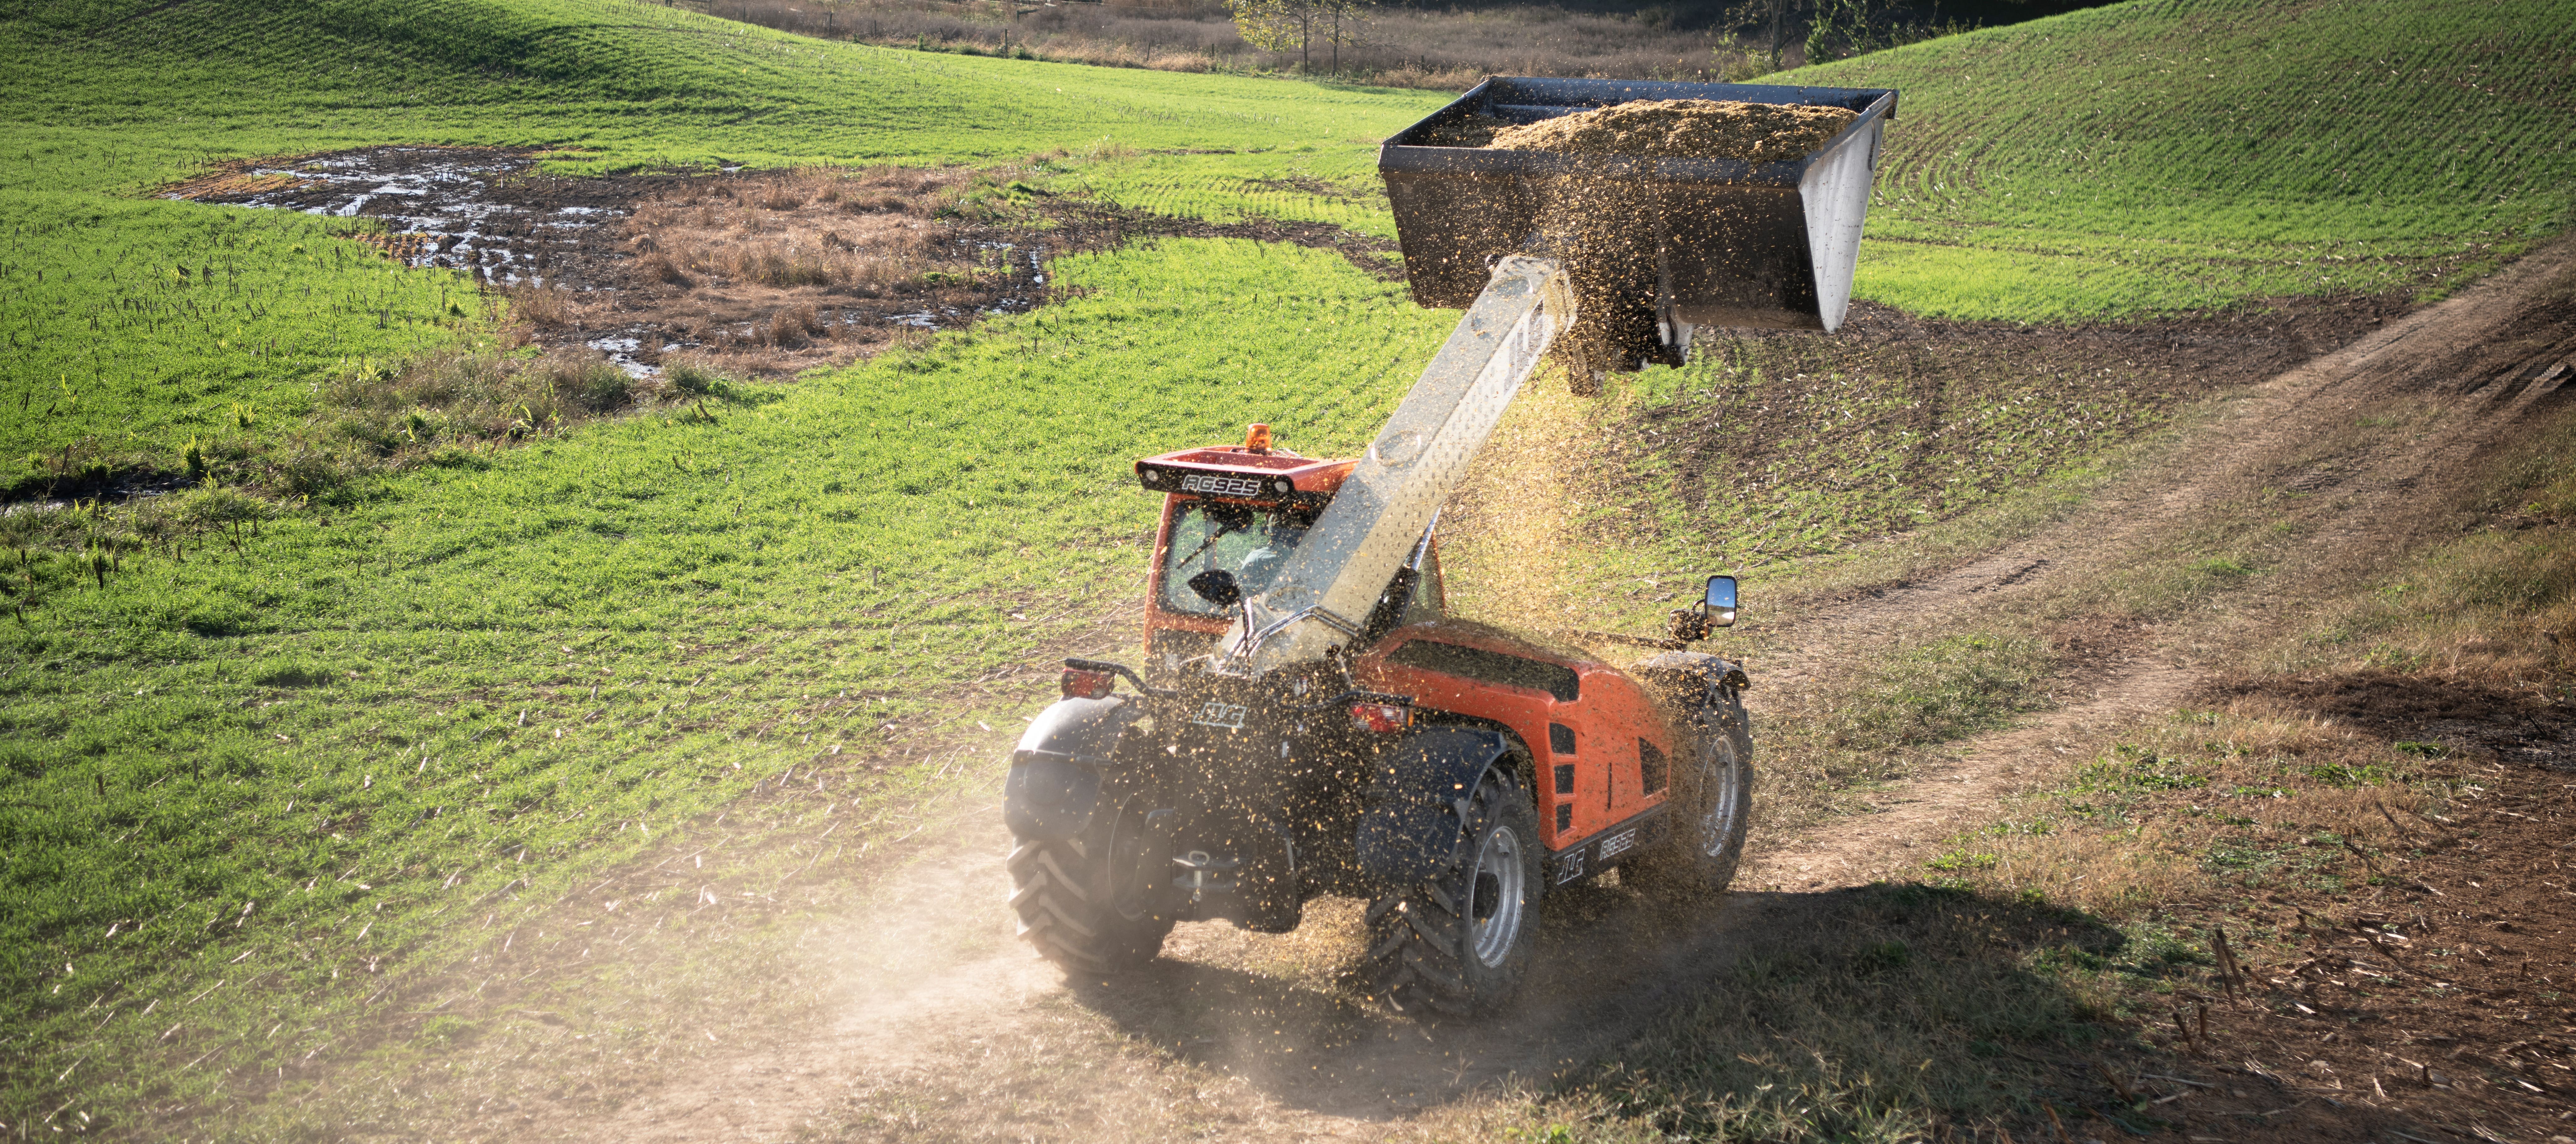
(440, 206)
(765, 273)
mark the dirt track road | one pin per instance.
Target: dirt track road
(930, 1021)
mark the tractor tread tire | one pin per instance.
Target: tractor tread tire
(1064, 905)
(1024, 893)
(1439, 935)
(1419, 949)
(1056, 877)
(1722, 748)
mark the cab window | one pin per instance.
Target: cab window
(1252, 543)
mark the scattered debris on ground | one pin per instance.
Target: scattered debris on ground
(2421, 974)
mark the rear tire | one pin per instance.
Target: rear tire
(1461, 941)
(1078, 901)
(1712, 804)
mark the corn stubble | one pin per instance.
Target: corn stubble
(1683, 129)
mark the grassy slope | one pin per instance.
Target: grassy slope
(2166, 156)
(2049, 941)
(402, 691)
(2069, 169)
(690, 569)
(630, 625)
(135, 326)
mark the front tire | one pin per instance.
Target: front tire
(1461, 941)
(1712, 806)
(1079, 901)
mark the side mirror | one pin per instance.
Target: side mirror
(1716, 610)
(1719, 603)
(1217, 586)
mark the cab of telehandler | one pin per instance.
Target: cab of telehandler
(1241, 510)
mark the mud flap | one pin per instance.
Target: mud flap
(1412, 826)
(1054, 786)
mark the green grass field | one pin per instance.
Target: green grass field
(492, 669)
(113, 353)
(135, 326)
(2163, 157)
(276, 769)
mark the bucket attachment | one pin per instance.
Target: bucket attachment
(1657, 245)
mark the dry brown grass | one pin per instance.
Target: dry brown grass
(2138, 823)
(2497, 606)
(772, 273)
(1446, 50)
(863, 233)
(549, 305)
(2313, 742)
(2468, 632)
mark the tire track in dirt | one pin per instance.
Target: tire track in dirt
(1932, 804)
(938, 1023)
(2389, 501)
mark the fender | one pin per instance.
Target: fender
(1417, 808)
(1054, 786)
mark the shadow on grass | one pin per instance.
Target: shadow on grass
(1888, 1012)
(1866, 1013)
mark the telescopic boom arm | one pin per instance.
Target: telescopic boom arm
(1377, 518)
(1715, 242)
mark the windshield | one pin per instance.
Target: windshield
(1252, 543)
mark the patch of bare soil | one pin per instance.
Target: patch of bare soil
(915, 1015)
(2441, 994)
(2121, 376)
(763, 273)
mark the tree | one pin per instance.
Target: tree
(1349, 21)
(1293, 25)
(1273, 25)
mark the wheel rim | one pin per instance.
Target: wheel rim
(1494, 897)
(1721, 811)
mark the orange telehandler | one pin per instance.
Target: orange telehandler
(1309, 719)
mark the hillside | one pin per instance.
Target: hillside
(320, 751)
(2160, 157)
(2066, 168)
(109, 100)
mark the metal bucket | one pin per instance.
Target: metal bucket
(1720, 242)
